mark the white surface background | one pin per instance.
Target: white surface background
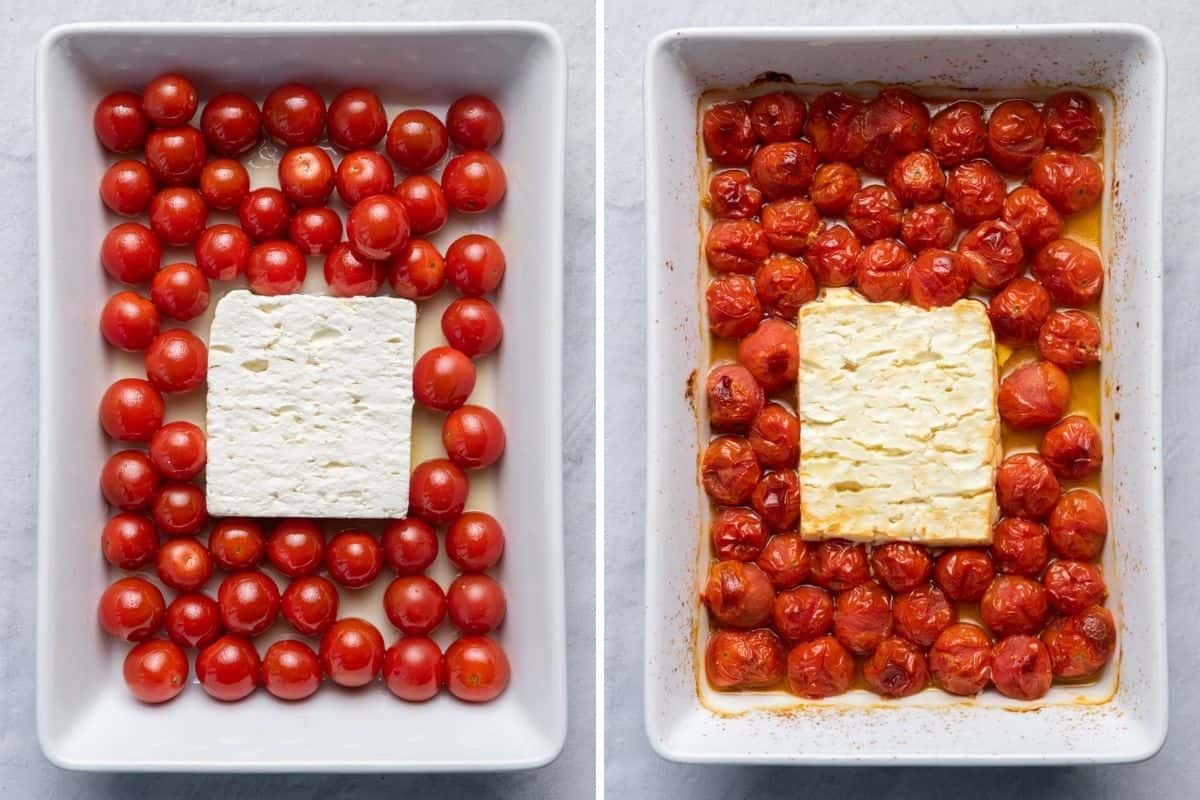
(633, 770)
(24, 773)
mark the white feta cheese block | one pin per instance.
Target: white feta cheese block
(899, 430)
(310, 406)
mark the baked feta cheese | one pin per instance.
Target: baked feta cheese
(310, 406)
(899, 432)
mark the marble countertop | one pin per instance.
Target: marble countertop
(633, 769)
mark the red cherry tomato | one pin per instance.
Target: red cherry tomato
(415, 604)
(957, 134)
(921, 614)
(352, 652)
(264, 214)
(976, 192)
(1081, 644)
(772, 354)
(901, 566)
(776, 498)
(928, 226)
(474, 122)
(249, 603)
(475, 264)
(437, 491)
(833, 127)
(1016, 134)
(803, 613)
(1070, 340)
(1026, 486)
(882, 270)
(728, 133)
(1078, 526)
(193, 620)
(1072, 586)
(353, 558)
(1072, 448)
(183, 564)
(472, 326)
(734, 397)
(960, 661)
(1021, 667)
(170, 100)
(474, 182)
(348, 275)
(994, 253)
(155, 671)
(362, 174)
(176, 361)
(306, 176)
(744, 659)
(783, 169)
(296, 547)
(474, 542)
(130, 253)
(777, 117)
(222, 252)
(178, 215)
(231, 123)
(416, 140)
(738, 595)
(833, 255)
(129, 541)
(418, 272)
(897, 668)
(1013, 604)
(315, 231)
(224, 183)
(729, 470)
(129, 321)
(917, 178)
(820, 668)
(938, 278)
(838, 565)
(291, 670)
(874, 213)
(178, 450)
(131, 609)
(1030, 214)
(180, 291)
(736, 245)
(1070, 271)
(356, 119)
(294, 115)
(377, 227)
(476, 669)
(129, 480)
(475, 603)
(964, 574)
(425, 202)
(409, 546)
(1018, 310)
(276, 268)
(176, 156)
(790, 225)
(833, 186)
(734, 307)
(775, 437)
(412, 668)
(732, 195)
(229, 669)
(131, 410)
(893, 123)
(310, 605)
(1073, 122)
(862, 617)
(120, 123)
(786, 560)
(473, 437)
(443, 379)
(127, 187)
(237, 544)
(179, 509)
(1033, 395)
(1071, 182)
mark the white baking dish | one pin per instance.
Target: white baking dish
(86, 717)
(1124, 716)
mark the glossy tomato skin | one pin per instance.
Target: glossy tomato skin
(1013, 604)
(874, 213)
(294, 115)
(418, 272)
(131, 609)
(1016, 134)
(1030, 214)
(155, 671)
(790, 225)
(834, 184)
(738, 595)
(264, 214)
(728, 133)
(354, 558)
(783, 169)
(291, 670)
(737, 534)
(958, 134)
(1072, 448)
(129, 541)
(803, 613)
(1078, 526)
(472, 326)
(296, 547)
(249, 603)
(1070, 271)
(410, 546)
(820, 668)
(475, 669)
(474, 542)
(412, 668)
(960, 661)
(1021, 667)
(744, 659)
(306, 176)
(361, 174)
(732, 195)
(772, 354)
(232, 123)
(179, 451)
(377, 227)
(120, 123)
(786, 560)
(882, 270)
(1073, 122)
(473, 437)
(310, 605)
(994, 253)
(170, 99)
(729, 470)
(224, 183)
(176, 361)
(229, 669)
(1033, 395)
(897, 668)
(425, 202)
(893, 123)
(776, 498)
(315, 231)
(276, 268)
(176, 156)
(129, 321)
(180, 291)
(862, 617)
(930, 225)
(1026, 486)
(222, 252)
(1072, 586)
(1018, 310)
(976, 192)
(473, 182)
(938, 278)
(193, 620)
(838, 565)
(736, 245)
(131, 410)
(833, 256)
(964, 573)
(734, 397)
(417, 140)
(1070, 340)
(130, 253)
(1071, 182)
(777, 117)
(438, 491)
(734, 307)
(348, 275)
(921, 614)
(237, 543)
(127, 187)
(1082, 643)
(475, 603)
(775, 437)
(475, 264)
(917, 178)
(833, 127)
(474, 122)
(901, 566)
(129, 480)
(415, 604)
(443, 378)
(183, 564)
(352, 652)
(356, 119)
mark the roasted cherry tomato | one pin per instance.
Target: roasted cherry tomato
(265, 214)
(237, 544)
(862, 617)
(129, 480)
(310, 604)
(772, 354)
(957, 133)
(1070, 340)
(362, 174)
(419, 271)
(410, 545)
(474, 542)
(938, 278)
(1071, 272)
(471, 325)
(354, 558)
(127, 187)
(249, 603)
(732, 195)
(294, 115)
(785, 559)
(960, 661)
(994, 253)
(790, 225)
(437, 491)
(739, 595)
(833, 256)
(976, 192)
(783, 169)
(1072, 448)
(475, 603)
(130, 253)
(1071, 182)
(417, 140)
(475, 264)
(734, 397)
(352, 652)
(838, 565)
(897, 668)
(474, 182)
(229, 669)
(412, 668)
(315, 231)
(176, 155)
(291, 670)
(1082, 643)
(882, 270)
(1030, 214)
(183, 564)
(129, 541)
(901, 566)
(276, 268)
(180, 291)
(964, 574)
(1073, 122)
(777, 117)
(744, 659)
(193, 620)
(155, 671)
(1019, 546)
(178, 450)
(473, 437)
(775, 437)
(1072, 586)
(728, 133)
(224, 183)
(736, 245)
(356, 119)
(928, 226)
(1018, 310)
(1015, 135)
(443, 379)
(921, 614)
(917, 178)
(776, 498)
(120, 123)
(131, 410)
(1013, 604)
(874, 213)
(170, 99)
(129, 321)
(425, 202)
(1026, 487)
(1033, 395)
(1078, 525)
(306, 176)
(833, 186)
(415, 604)
(131, 609)
(476, 669)
(176, 361)
(348, 275)
(803, 613)
(893, 123)
(734, 307)
(296, 547)
(1021, 667)
(820, 668)
(729, 470)
(222, 252)
(737, 534)
(231, 123)
(474, 122)
(833, 127)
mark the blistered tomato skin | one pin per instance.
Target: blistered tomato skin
(728, 134)
(960, 661)
(1073, 122)
(786, 560)
(732, 195)
(964, 574)
(783, 169)
(897, 668)
(1017, 312)
(416, 140)
(474, 122)
(976, 192)
(772, 354)
(1078, 526)
(820, 668)
(833, 254)
(222, 252)
(833, 186)
(738, 595)
(229, 669)
(901, 566)
(729, 470)
(473, 182)
(734, 397)
(1033, 395)
(862, 617)
(882, 270)
(1082, 643)
(224, 183)
(356, 119)
(127, 187)
(232, 123)
(874, 213)
(129, 321)
(130, 253)
(921, 614)
(1021, 667)
(1072, 448)
(917, 178)
(1016, 134)
(1026, 486)
(176, 156)
(1031, 215)
(776, 498)
(1071, 272)
(744, 659)
(893, 123)
(938, 278)
(784, 283)
(120, 123)
(294, 115)
(1013, 604)
(928, 226)
(1070, 339)
(129, 541)
(803, 613)
(833, 127)
(1071, 182)
(839, 565)
(737, 534)
(775, 437)
(1019, 547)
(994, 252)
(1072, 586)
(958, 134)
(790, 225)
(777, 117)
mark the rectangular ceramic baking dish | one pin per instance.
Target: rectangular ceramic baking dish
(86, 717)
(1123, 717)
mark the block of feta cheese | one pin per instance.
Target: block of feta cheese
(899, 431)
(310, 406)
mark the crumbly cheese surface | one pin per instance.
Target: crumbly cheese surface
(899, 432)
(310, 406)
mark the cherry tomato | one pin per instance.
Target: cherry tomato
(964, 574)
(776, 498)
(176, 361)
(474, 182)
(249, 603)
(183, 564)
(893, 123)
(1071, 182)
(354, 558)
(1072, 448)
(315, 231)
(1033, 395)
(729, 470)
(1021, 668)
(356, 119)
(882, 270)
(180, 291)
(874, 213)
(1070, 340)
(222, 252)
(994, 253)
(410, 545)
(348, 275)
(476, 669)
(1071, 272)
(130, 253)
(475, 264)
(264, 214)
(928, 226)
(1032, 217)
(777, 117)
(176, 156)
(833, 127)
(790, 225)
(917, 178)
(1073, 122)
(237, 544)
(1013, 604)
(179, 509)
(960, 661)
(1078, 525)
(276, 268)
(310, 605)
(976, 192)
(474, 542)
(786, 560)
(415, 604)
(739, 595)
(771, 354)
(728, 133)
(131, 410)
(178, 215)
(737, 534)
(783, 284)
(425, 202)
(231, 123)
(938, 278)
(475, 603)
(734, 308)
(294, 115)
(418, 272)
(170, 100)
(734, 397)
(131, 609)
(443, 378)
(862, 617)
(193, 620)
(224, 183)
(377, 227)
(1018, 310)
(129, 321)
(155, 671)
(412, 668)
(120, 123)
(1082, 643)
(473, 437)
(362, 174)
(957, 134)
(129, 480)
(417, 140)
(744, 659)
(901, 566)
(1072, 586)
(833, 186)
(1026, 486)
(803, 613)
(291, 670)
(472, 326)
(1016, 134)
(129, 541)
(178, 450)
(732, 195)
(306, 176)
(474, 122)
(437, 491)
(897, 668)
(820, 668)
(736, 246)
(1019, 546)
(352, 652)
(229, 669)
(296, 547)
(127, 187)
(833, 255)
(783, 169)
(839, 565)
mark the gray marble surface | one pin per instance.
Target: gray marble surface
(633, 770)
(24, 773)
